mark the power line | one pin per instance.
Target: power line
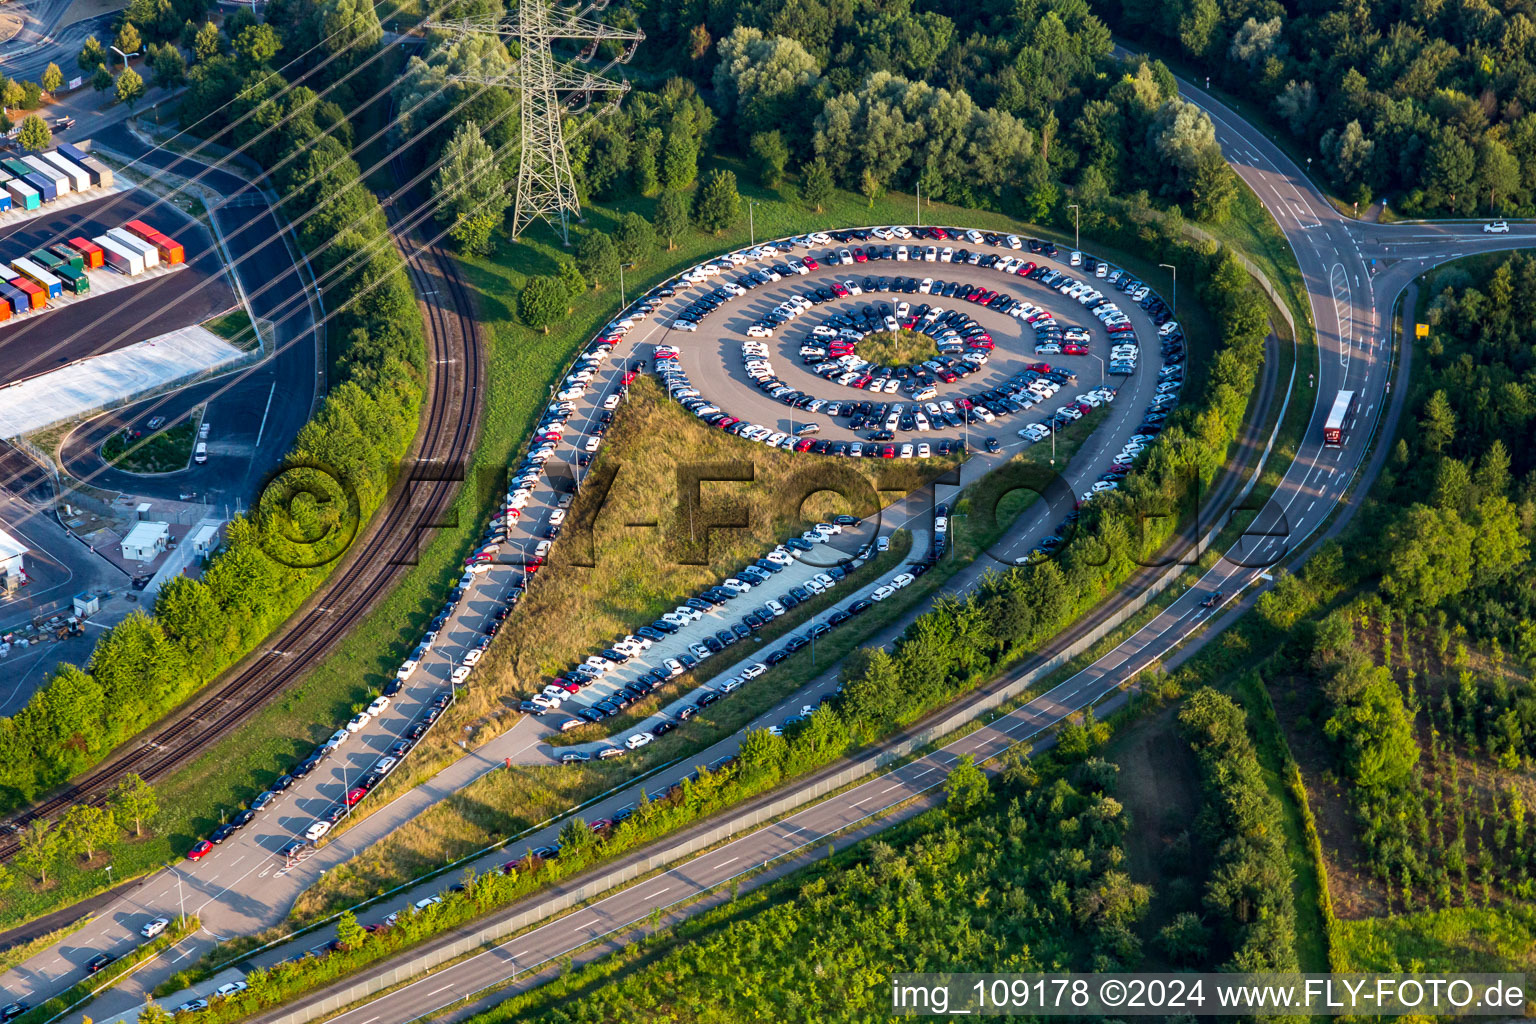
(546, 188)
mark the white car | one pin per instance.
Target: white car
(423, 904)
(557, 517)
(230, 989)
(754, 670)
(460, 674)
(1498, 227)
(639, 740)
(316, 830)
(155, 927)
(940, 524)
(926, 287)
(377, 707)
(905, 579)
(472, 657)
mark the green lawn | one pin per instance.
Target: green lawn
(897, 348)
(164, 451)
(236, 328)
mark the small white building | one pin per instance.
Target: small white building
(145, 541)
(12, 553)
(206, 540)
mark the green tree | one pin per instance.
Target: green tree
(966, 788)
(207, 44)
(542, 302)
(87, 828)
(1437, 427)
(717, 205)
(671, 216)
(11, 92)
(816, 184)
(469, 190)
(170, 67)
(634, 238)
(52, 78)
(128, 39)
(257, 44)
(1185, 939)
(597, 257)
(130, 87)
(348, 932)
(1428, 556)
(41, 848)
(31, 95)
(101, 78)
(1214, 187)
(135, 800)
(679, 155)
(772, 154)
(154, 1013)
(571, 277)
(35, 134)
(92, 54)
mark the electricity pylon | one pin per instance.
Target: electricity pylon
(545, 186)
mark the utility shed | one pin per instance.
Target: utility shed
(145, 541)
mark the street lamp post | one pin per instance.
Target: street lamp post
(919, 202)
(1101, 367)
(1077, 225)
(125, 56)
(622, 267)
(751, 223)
(1175, 296)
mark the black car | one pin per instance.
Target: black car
(97, 962)
(708, 698)
(662, 728)
(391, 688)
(860, 606)
(221, 833)
(11, 1011)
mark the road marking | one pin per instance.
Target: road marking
(658, 892)
(723, 863)
(435, 991)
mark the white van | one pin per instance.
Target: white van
(200, 453)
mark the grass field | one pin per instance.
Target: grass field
(896, 348)
(165, 451)
(236, 328)
(1458, 939)
(521, 362)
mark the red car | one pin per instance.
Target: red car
(938, 233)
(1039, 367)
(355, 794)
(804, 443)
(532, 565)
(859, 256)
(200, 850)
(628, 378)
(839, 290)
(888, 452)
(1026, 270)
(811, 264)
(728, 421)
(1073, 348)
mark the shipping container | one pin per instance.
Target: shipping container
(79, 177)
(5, 311)
(5, 201)
(74, 280)
(70, 255)
(119, 257)
(27, 268)
(129, 240)
(61, 182)
(90, 250)
(25, 196)
(15, 299)
(36, 299)
(15, 166)
(45, 259)
(169, 249)
(44, 185)
(101, 174)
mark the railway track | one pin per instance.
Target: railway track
(452, 419)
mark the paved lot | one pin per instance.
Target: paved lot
(96, 323)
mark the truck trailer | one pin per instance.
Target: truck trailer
(129, 240)
(74, 280)
(70, 255)
(94, 257)
(45, 280)
(79, 177)
(101, 174)
(23, 195)
(36, 299)
(61, 182)
(14, 299)
(119, 257)
(169, 249)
